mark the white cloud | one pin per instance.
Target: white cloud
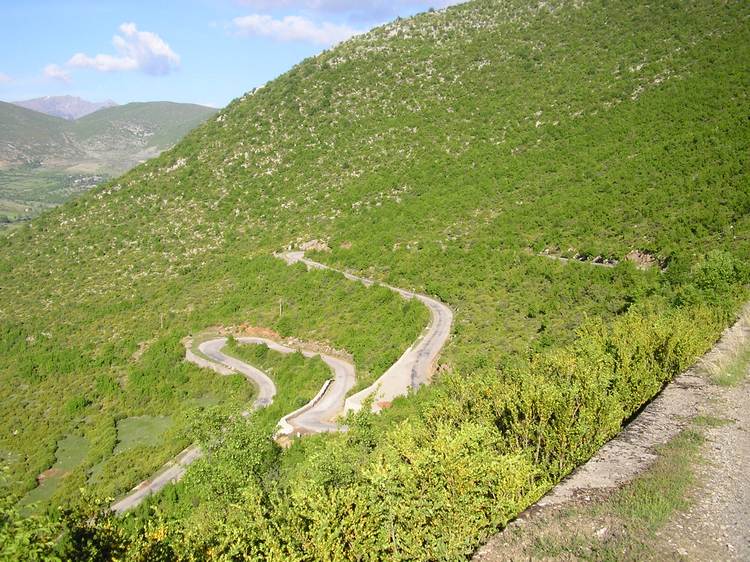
(5, 79)
(136, 50)
(56, 73)
(294, 28)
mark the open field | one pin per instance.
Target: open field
(26, 192)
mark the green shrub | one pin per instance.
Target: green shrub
(479, 450)
(76, 405)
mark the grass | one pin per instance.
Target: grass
(70, 453)
(141, 430)
(625, 525)
(736, 371)
(708, 421)
(298, 378)
(732, 365)
(647, 503)
(439, 153)
(27, 191)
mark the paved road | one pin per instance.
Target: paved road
(318, 415)
(415, 367)
(266, 387)
(173, 471)
(315, 417)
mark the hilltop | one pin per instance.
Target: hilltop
(453, 154)
(67, 107)
(44, 159)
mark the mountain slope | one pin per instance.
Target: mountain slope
(442, 153)
(135, 131)
(66, 107)
(111, 139)
(28, 136)
(45, 160)
(167, 121)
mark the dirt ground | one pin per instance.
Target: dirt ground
(717, 525)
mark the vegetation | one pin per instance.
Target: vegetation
(221, 476)
(142, 430)
(71, 450)
(27, 191)
(154, 124)
(641, 519)
(736, 372)
(623, 526)
(45, 160)
(112, 139)
(297, 378)
(35, 132)
(441, 153)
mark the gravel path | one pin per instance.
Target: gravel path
(717, 525)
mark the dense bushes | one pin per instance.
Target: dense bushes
(145, 373)
(480, 450)
(443, 154)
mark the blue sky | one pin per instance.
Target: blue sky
(200, 51)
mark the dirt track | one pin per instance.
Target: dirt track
(723, 508)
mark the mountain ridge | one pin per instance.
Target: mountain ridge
(66, 107)
(46, 159)
(31, 137)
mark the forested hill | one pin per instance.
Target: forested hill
(453, 153)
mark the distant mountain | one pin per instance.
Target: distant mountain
(117, 138)
(46, 159)
(67, 107)
(27, 136)
(108, 141)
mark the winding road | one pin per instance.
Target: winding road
(415, 367)
(266, 387)
(317, 415)
(412, 370)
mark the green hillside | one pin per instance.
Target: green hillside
(28, 136)
(45, 160)
(163, 122)
(442, 153)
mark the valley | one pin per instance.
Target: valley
(414, 368)
(46, 160)
(559, 191)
